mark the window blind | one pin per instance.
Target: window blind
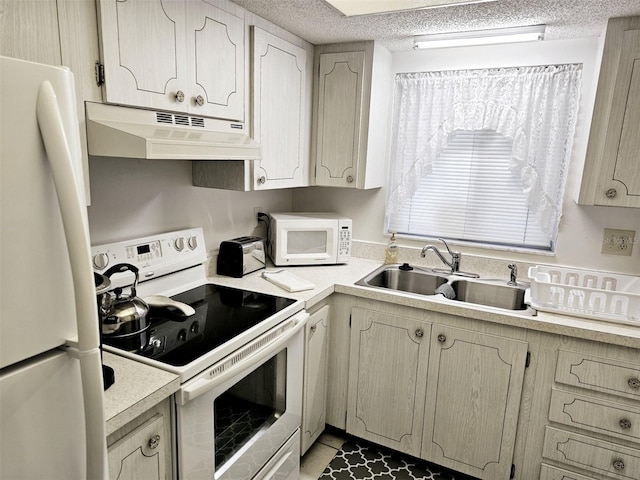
(472, 194)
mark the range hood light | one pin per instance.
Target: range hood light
(480, 37)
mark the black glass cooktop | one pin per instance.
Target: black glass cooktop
(221, 314)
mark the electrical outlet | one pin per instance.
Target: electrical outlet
(256, 211)
(618, 242)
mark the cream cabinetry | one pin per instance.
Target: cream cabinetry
(473, 401)
(189, 57)
(142, 448)
(387, 379)
(278, 87)
(315, 377)
(594, 415)
(422, 386)
(351, 114)
(612, 173)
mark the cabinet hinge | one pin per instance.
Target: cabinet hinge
(513, 471)
(99, 74)
(527, 361)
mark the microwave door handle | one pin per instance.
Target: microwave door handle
(191, 391)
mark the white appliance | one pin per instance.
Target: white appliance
(239, 355)
(308, 238)
(51, 391)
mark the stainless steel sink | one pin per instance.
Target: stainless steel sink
(404, 278)
(491, 293)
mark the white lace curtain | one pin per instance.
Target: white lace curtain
(535, 107)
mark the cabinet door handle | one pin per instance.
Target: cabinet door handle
(419, 333)
(200, 100)
(442, 338)
(618, 464)
(611, 193)
(625, 424)
(349, 179)
(154, 441)
(313, 329)
(634, 383)
(180, 96)
(262, 180)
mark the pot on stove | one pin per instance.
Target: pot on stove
(124, 322)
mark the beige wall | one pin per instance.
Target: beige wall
(581, 228)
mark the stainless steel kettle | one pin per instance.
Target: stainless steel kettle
(124, 317)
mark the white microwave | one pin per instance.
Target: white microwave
(308, 239)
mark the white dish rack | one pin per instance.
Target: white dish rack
(587, 294)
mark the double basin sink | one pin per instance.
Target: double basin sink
(424, 281)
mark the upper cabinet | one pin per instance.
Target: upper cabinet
(351, 114)
(178, 55)
(278, 88)
(612, 172)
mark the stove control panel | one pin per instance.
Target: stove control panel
(154, 255)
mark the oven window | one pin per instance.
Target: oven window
(305, 242)
(246, 410)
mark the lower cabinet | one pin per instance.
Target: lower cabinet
(473, 401)
(387, 379)
(448, 395)
(143, 447)
(315, 377)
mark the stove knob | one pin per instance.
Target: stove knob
(182, 335)
(193, 243)
(179, 244)
(100, 261)
(194, 328)
(157, 343)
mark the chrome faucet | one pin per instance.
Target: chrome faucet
(454, 264)
(513, 277)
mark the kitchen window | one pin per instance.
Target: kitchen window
(481, 155)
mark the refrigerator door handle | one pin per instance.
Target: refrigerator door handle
(74, 219)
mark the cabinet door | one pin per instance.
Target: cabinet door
(621, 172)
(611, 174)
(339, 118)
(315, 377)
(387, 379)
(215, 62)
(143, 66)
(139, 454)
(473, 399)
(278, 96)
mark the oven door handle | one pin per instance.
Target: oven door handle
(193, 389)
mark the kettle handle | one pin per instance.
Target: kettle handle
(123, 267)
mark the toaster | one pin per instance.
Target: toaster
(240, 256)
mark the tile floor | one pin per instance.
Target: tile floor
(360, 459)
(320, 455)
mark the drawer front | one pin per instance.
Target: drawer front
(596, 415)
(552, 473)
(614, 461)
(599, 373)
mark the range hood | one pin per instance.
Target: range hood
(116, 131)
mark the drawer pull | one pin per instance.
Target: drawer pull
(634, 383)
(154, 441)
(625, 424)
(618, 464)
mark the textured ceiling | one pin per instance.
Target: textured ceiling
(317, 22)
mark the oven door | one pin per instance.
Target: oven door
(236, 415)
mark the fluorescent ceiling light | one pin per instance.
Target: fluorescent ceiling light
(366, 7)
(480, 37)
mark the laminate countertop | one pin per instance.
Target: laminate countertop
(138, 387)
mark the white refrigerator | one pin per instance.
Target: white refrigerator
(51, 392)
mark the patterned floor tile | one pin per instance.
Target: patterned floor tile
(359, 460)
